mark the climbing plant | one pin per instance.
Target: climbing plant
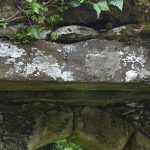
(38, 13)
(103, 5)
(65, 145)
(62, 145)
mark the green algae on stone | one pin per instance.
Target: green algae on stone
(50, 128)
(138, 142)
(100, 130)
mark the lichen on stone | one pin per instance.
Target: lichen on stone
(103, 64)
(38, 63)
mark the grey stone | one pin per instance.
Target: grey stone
(133, 104)
(115, 32)
(1, 145)
(45, 34)
(91, 60)
(74, 33)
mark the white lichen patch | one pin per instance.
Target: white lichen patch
(67, 30)
(59, 50)
(117, 30)
(47, 65)
(37, 52)
(135, 61)
(11, 51)
(38, 63)
(131, 75)
(103, 65)
(133, 58)
(69, 48)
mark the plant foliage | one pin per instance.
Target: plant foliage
(103, 5)
(65, 145)
(38, 16)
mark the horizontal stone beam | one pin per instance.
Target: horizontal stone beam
(73, 92)
(88, 61)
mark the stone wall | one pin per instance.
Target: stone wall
(113, 113)
(30, 126)
(96, 116)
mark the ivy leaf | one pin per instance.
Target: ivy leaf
(117, 3)
(3, 23)
(82, 1)
(36, 7)
(34, 31)
(29, 1)
(74, 3)
(103, 5)
(97, 9)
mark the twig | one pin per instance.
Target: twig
(24, 13)
(11, 17)
(50, 1)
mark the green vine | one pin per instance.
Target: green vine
(38, 16)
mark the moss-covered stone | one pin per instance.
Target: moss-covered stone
(131, 34)
(138, 142)
(51, 127)
(99, 130)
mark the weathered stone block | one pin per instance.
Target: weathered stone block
(92, 60)
(50, 127)
(100, 130)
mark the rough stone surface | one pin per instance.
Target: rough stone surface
(101, 130)
(75, 33)
(130, 34)
(138, 142)
(115, 32)
(26, 126)
(137, 113)
(92, 60)
(50, 127)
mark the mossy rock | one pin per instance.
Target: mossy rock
(138, 142)
(51, 127)
(130, 34)
(100, 130)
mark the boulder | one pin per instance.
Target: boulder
(131, 33)
(75, 33)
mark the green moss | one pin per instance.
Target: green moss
(88, 145)
(6, 10)
(72, 92)
(98, 130)
(50, 128)
(138, 141)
